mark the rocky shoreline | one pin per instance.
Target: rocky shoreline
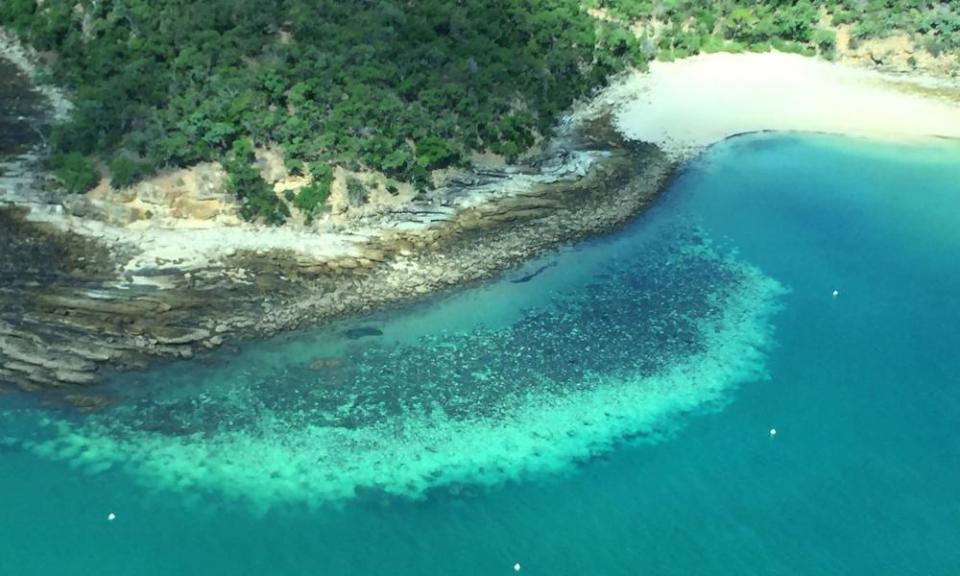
(97, 283)
(92, 284)
(69, 312)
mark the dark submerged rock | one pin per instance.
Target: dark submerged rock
(362, 332)
(528, 277)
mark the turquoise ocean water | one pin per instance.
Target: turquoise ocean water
(610, 414)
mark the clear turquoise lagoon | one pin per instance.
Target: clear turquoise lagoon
(607, 409)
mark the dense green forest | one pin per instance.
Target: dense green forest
(399, 87)
(691, 26)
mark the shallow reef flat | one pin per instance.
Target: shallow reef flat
(663, 332)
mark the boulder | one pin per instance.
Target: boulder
(176, 335)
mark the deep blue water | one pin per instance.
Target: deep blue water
(862, 389)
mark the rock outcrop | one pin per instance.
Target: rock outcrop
(76, 306)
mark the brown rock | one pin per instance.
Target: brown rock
(29, 353)
(74, 377)
(87, 402)
(374, 255)
(134, 307)
(326, 363)
(151, 193)
(176, 335)
(195, 209)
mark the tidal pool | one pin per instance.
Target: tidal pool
(607, 409)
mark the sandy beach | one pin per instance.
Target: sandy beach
(686, 105)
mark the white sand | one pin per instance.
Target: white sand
(687, 105)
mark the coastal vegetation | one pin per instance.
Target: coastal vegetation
(398, 88)
(687, 27)
(75, 171)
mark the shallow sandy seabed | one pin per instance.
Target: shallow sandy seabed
(277, 458)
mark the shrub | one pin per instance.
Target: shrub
(313, 196)
(77, 173)
(825, 41)
(257, 198)
(125, 172)
(357, 194)
(293, 165)
(434, 152)
(934, 45)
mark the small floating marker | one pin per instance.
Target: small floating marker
(111, 517)
(836, 293)
(516, 567)
(773, 432)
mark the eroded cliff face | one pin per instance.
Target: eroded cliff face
(897, 53)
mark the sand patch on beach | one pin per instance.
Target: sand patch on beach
(686, 105)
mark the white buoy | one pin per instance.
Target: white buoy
(773, 432)
(111, 516)
(836, 293)
(516, 567)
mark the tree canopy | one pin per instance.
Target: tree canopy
(402, 87)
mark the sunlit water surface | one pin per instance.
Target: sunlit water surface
(610, 414)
